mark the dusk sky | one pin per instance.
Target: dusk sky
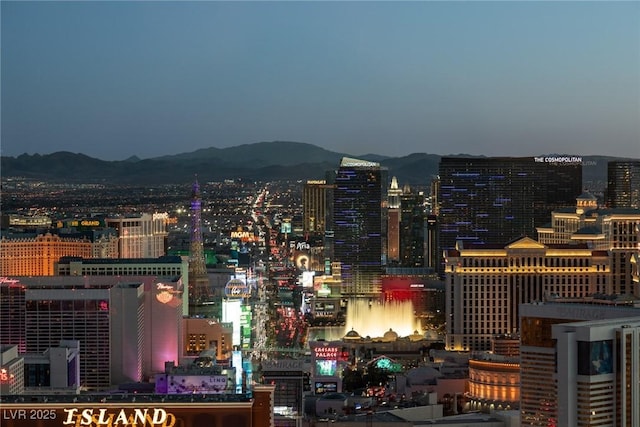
(115, 79)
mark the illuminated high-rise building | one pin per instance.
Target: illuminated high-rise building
(12, 325)
(199, 286)
(493, 200)
(434, 196)
(106, 243)
(623, 184)
(570, 223)
(37, 255)
(433, 255)
(52, 309)
(142, 235)
(360, 225)
(412, 228)
(615, 230)
(405, 226)
(589, 349)
(485, 285)
(314, 206)
(393, 227)
(579, 364)
(127, 326)
(173, 266)
(30, 254)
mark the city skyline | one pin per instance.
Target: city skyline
(118, 79)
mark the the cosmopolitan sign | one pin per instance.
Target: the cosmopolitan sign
(558, 159)
(119, 418)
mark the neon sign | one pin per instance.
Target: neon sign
(164, 293)
(102, 417)
(326, 353)
(241, 235)
(299, 246)
(237, 288)
(5, 376)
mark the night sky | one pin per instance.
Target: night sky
(116, 79)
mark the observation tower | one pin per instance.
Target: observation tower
(199, 288)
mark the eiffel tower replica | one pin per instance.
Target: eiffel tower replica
(199, 286)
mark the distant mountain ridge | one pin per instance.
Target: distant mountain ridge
(262, 161)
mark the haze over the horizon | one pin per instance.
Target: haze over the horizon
(117, 79)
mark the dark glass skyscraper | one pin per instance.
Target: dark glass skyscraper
(623, 184)
(412, 229)
(359, 225)
(493, 200)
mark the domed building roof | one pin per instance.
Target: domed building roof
(352, 335)
(390, 336)
(587, 196)
(416, 336)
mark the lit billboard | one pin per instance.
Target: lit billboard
(237, 288)
(595, 358)
(231, 312)
(243, 236)
(321, 387)
(81, 223)
(306, 279)
(245, 326)
(326, 368)
(186, 384)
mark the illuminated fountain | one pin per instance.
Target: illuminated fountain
(370, 318)
(374, 318)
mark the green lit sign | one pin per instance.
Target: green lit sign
(387, 364)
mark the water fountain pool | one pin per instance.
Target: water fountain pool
(371, 318)
(375, 318)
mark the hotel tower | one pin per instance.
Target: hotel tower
(494, 200)
(360, 225)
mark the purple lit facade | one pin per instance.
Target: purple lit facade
(127, 329)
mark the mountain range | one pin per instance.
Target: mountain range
(262, 161)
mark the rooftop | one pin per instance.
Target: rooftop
(30, 399)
